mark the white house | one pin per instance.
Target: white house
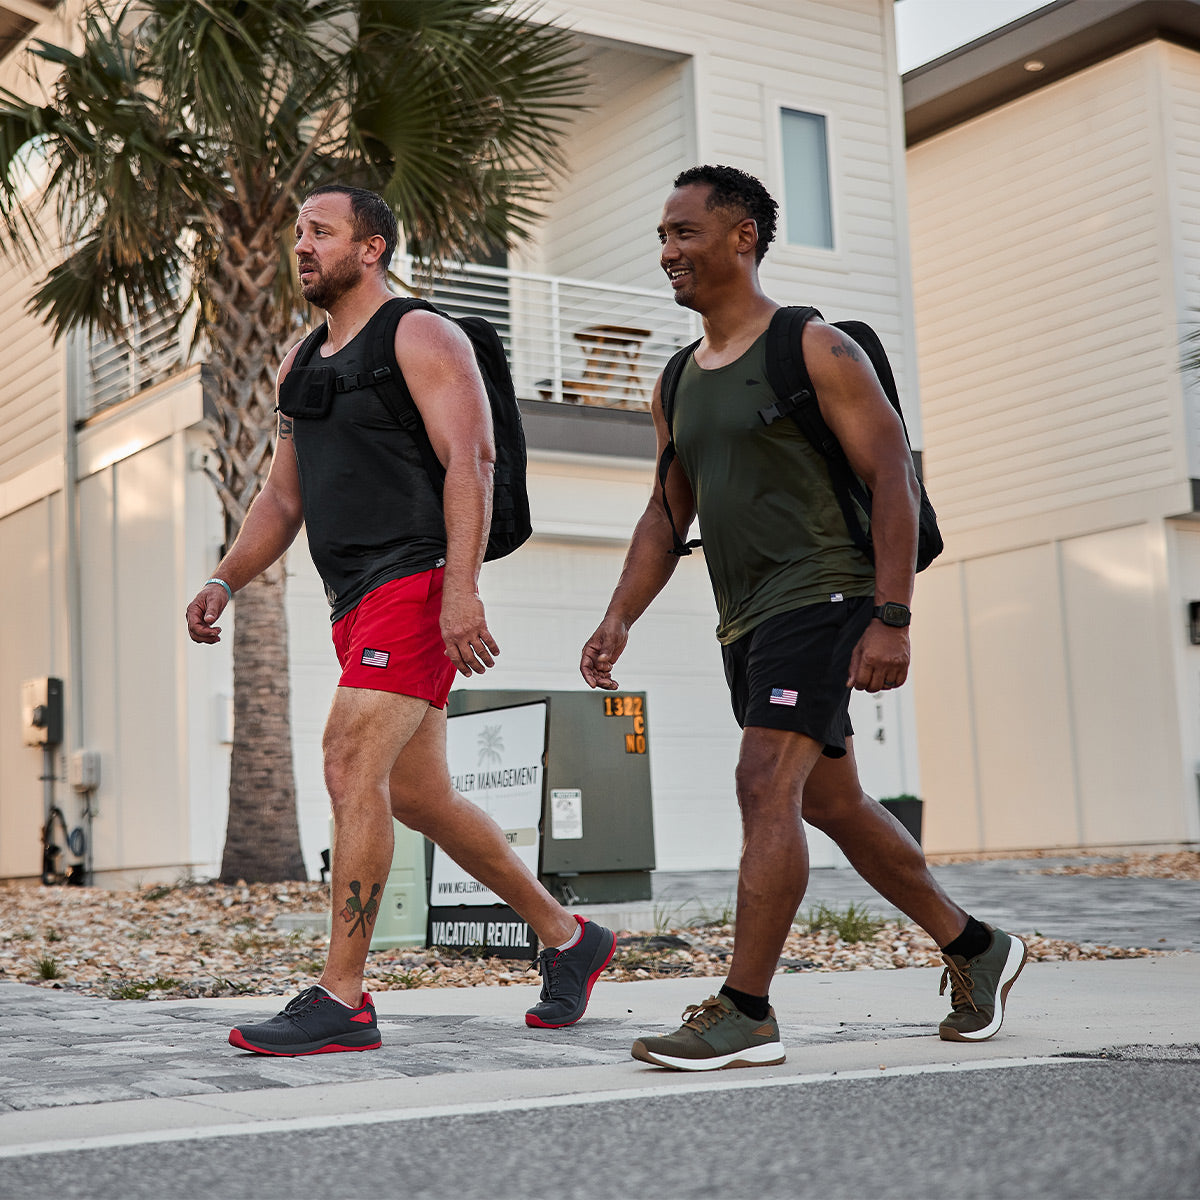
(108, 525)
(1054, 193)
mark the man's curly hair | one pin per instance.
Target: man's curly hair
(736, 189)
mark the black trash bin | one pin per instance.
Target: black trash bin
(907, 810)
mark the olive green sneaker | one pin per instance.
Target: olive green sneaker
(979, 987)
(714, 1035)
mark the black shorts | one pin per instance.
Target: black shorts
(790, 671)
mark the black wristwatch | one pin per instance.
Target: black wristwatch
(896, 615)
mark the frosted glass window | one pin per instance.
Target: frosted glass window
(808, 208)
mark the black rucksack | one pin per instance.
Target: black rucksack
(511, 526)
(789, 380)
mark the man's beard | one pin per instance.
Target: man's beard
(332, 282)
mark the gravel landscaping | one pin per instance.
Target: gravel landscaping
(207, 939)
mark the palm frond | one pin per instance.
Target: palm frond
(457, 117)
(216, 115)
(1190, 362)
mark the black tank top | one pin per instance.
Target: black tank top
(370, 508)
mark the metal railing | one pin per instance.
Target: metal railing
(569, 341)
(119, 369)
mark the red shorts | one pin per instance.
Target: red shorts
(391, 641)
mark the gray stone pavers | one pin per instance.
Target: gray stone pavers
(62, 1049)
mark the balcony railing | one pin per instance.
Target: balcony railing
(153, 351)
(569, 341)
(572, 341)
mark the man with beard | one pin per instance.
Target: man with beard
(400, 562)
(805, 617)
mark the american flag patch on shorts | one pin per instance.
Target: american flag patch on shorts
(379, 658)
(786, 696)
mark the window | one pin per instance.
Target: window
(808, 207)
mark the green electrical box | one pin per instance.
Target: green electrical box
(404, 904)
(597, 841)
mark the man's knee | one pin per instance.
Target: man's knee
(763, 787)
(348, 774)
(772, 769)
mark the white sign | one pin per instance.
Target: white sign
(495, 761)
(566, 814)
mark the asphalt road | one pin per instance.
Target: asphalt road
(1041, 1130)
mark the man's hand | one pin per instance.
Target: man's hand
(469, 643)
(208, 605)
(880, 660)
(602, 650)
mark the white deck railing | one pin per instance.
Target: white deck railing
(572, 341)
(569, 341)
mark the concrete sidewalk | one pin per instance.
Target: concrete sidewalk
(79, 1067)
(77, 1070)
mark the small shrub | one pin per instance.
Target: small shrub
(139, 989)
(723, 915)
(856, 924)
(47, 968)
(402, 980)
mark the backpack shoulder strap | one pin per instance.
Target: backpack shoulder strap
(670, 381)
(385, 376)
(667, 390)
(797, 398)
(788, 376)
(308, 347)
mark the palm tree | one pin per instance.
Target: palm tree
(1191, 350)
(174, 145)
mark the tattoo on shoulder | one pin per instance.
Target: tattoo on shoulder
(285, 427)
(847, 349)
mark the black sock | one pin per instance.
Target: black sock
(972, 942)
(754, 1007)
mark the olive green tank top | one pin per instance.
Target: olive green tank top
(774, 536)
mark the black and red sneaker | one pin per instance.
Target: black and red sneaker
(313, 1023)
(568, 976)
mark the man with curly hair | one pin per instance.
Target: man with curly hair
(804, 618)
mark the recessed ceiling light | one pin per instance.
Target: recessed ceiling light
(1035, 64)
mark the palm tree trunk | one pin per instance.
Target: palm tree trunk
(248, 341)
(262, 839)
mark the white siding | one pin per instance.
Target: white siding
(1055, 243)
(745, 61)
(1044, 316)
(33, 645)
(32, 381)
(1043, 685)
(1182, 117)
(621, 157)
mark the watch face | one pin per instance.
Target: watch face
(894, 614)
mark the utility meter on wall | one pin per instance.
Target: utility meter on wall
(42, 711)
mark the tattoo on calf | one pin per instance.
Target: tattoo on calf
(847, 349)
(361, 914)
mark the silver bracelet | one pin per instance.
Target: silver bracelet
(222, 582)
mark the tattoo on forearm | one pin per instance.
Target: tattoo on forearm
(847, 349)
(285, 426)
(357, 914)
